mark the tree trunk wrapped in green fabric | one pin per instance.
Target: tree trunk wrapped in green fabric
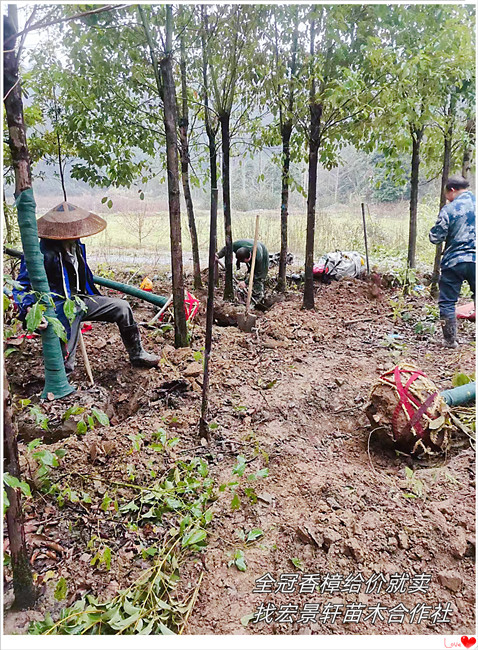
(56, 381)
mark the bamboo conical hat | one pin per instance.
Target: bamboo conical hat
(67, 221)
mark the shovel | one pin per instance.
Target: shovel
(247, 321)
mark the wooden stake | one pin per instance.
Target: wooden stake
(161, 312)
(365, 237)
(85, 358)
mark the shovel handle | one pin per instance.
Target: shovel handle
(253, 266)
(85, 358)
(161, 312)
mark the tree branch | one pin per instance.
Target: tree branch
(41, 25)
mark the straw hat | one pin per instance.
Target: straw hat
(67, 221)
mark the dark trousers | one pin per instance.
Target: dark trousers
(100, 308)
(450, 283)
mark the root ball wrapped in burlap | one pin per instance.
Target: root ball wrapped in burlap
(408, 405)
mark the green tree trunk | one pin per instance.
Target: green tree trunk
(224, 119)
(167, 91)
(417, 135)
(183, 135)
(170, 123)
(56, 382)
(447, 143)
(314, 143)
(469, 149)
(284, 206)
(25, 593)
(211, 134)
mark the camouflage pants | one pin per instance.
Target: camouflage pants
(257, 290)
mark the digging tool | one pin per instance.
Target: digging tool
(365, 236)
(160, 312)
(247, 321)
(85, 359)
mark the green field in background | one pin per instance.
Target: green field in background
(387, 235)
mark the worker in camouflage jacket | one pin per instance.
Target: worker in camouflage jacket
(456, 227)
(243, 250)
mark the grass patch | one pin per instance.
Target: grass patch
(336, 228)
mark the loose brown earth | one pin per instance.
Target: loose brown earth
(288, 397)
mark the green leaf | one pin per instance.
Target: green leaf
(81, 427)
(6, 502)
(194, 537)
(236, 502)
(6, 302)
(254, 534)
(174, 504)
(239, 560)
(460, 379)
(81, 304)
(46, 457)
(251, 494)
(261, 473)
(40, 417)
(105, 504)
(85, 497)
(14, 482)
(69, 309)
(110, 203)
(73, 410)
(61, 589)
(11, 481)
(203, 468)
(101, 417)
(107, 557)
(297, 563)
(34, 316)
(240, 466)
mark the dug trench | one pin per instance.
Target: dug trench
(336, 502)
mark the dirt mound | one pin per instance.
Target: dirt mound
(335, 504)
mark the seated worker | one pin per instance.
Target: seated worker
(69, 275)
(456, 227)
(243, 250)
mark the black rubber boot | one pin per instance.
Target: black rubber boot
(449, 332)
(137, 354)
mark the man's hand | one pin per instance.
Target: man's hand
(242, 285)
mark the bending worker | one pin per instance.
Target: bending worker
(243, 249)
(69, 276)
(456, 227)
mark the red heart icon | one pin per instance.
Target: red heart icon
(468, 641)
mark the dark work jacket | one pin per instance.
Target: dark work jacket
(61, 278)
(262, 256)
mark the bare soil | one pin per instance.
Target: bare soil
(337, 501)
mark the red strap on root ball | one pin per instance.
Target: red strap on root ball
(412, 405)
(191, 306)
